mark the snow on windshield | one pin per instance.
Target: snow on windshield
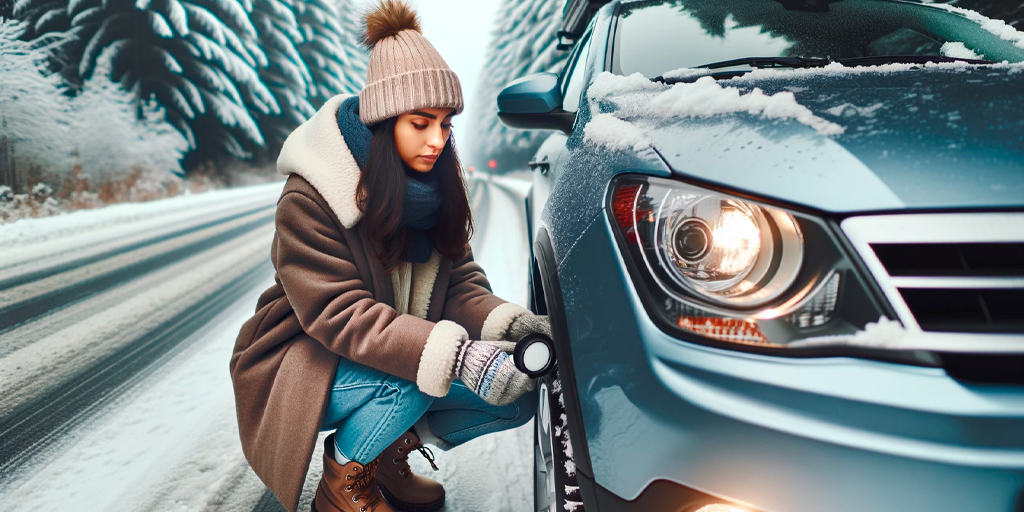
(704, 98)
(957, 50)
(1000, 28)
(836, 69)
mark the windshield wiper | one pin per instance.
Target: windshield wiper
(811, 62)
(905, 59)
(769, 62)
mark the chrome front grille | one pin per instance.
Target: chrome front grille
(952, 272)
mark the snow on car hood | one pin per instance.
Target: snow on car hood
(836, 139)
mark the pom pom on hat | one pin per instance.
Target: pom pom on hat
(388, 19)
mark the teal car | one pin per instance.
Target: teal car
(781, 243)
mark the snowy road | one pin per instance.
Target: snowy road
(113, 356)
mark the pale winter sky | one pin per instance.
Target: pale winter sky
(460, 30)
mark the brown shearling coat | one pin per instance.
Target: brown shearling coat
(331, 299)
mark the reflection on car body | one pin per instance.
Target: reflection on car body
(806, 296)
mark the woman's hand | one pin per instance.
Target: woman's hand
(489, 372)
(528, 323)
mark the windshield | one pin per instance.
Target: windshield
(656, 37)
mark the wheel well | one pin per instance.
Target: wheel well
(537, 303)
(547, 288)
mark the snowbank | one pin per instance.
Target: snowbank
(34, 239)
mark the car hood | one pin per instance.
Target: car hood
(920, 138)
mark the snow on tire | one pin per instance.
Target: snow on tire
(556, 487)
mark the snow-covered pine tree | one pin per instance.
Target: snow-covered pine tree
(198, 58)
(99, 128)
(313, 55)
(523, 43)
(34, 113)
(111, 140)
(331, 47)
(235, 76)
(286, 73)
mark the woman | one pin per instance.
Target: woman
(380, 326)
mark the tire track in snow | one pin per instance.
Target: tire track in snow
(39, 261)
(169, 442)
(51, 403)
(21, 303)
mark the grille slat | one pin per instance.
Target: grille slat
(966, 310)
(947, 272)
(952, 259)
(958, 282)
(959, 287)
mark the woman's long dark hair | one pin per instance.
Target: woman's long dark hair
(382, 196)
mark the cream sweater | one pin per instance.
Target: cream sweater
(412, 283)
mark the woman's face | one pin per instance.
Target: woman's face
(420, 136)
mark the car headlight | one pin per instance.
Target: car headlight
(729, 251)
(716, 267)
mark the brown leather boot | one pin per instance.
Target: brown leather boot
(404, 490)
(348, 488)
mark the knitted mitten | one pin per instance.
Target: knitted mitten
(528, 323)
(507, 347)
(489, 372)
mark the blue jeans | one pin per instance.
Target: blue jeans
(371, 409)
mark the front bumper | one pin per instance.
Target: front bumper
(778, 434)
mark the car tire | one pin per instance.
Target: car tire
(555, 486)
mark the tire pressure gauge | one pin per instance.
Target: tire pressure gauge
(534, 355)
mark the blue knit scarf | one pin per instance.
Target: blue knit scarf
(422, 199)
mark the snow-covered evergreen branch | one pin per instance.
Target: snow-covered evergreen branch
(233, 76)
(98, 129)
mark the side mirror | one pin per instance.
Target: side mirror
(534, 103)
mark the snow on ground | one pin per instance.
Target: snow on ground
(31, 238)
(171, 443)
(143, 449)
(81, 273)
(52, 360)
(500, 243)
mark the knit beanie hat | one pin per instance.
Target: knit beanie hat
(406, 72)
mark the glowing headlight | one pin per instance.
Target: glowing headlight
(715, 254)
(723, 268)
(724, 249)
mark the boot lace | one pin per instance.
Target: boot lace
(366, 487)
(427, 454)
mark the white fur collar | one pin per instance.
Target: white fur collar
(317, 151)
